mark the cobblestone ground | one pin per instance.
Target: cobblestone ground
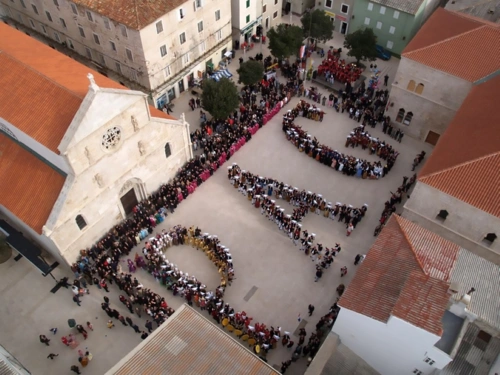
(265, 260)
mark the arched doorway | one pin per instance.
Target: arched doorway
(131, 193)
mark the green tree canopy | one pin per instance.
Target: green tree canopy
(361, 44)
(285, 40)
(317, 25)
(220, 98)
(250, 72)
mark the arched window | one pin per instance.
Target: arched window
(401, 115)
(490, 238)
(408, 118)
(80, 221)
(168, 151)
(411, 85)
(420, 89)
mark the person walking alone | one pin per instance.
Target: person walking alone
(343, 271)
(311, 309)
(44, 340)
(52, 355)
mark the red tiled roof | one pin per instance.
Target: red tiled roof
(452, 42)
(29, 186)
(135, 14)
(467, 156)
(41, 89)
(403, 256)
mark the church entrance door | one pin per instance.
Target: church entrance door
(129, 201)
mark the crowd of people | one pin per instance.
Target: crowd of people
(307, 110)
(336, 69)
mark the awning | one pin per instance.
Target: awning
(26, 249)
(330, 14)
(248, 27)
(223, 73)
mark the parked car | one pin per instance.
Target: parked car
(382, 53)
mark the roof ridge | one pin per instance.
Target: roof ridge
(39, 73)
(470, 6)
(477, 19)
(446, 40)
(459, 165)
(136, 14)
(399, 221)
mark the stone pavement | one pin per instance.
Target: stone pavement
(274, 280)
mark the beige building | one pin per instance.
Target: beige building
(163, 46)
(77, 151)
(450, 54)
(458, 189)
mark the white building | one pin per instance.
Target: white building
(435, 74)
(160, 45)
(78, 152)
(411, 307)
(248, 14)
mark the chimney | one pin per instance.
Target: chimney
(460, 308)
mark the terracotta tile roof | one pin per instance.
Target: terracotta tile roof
(187, 343)
(403, 256)
(407, 6)
(29, 186)
(451, 42)
(462, 166)
(135, 14)
(160, 114)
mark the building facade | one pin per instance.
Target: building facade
(394, 23)
(339, 12)
(97, 150)
(162, 46)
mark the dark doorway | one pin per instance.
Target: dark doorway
(129, 201)
(432, 138)
(343, 28)
(181, 86)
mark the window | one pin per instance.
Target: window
(23, 4)
(74, 8)
(344, 9)
(248, 3)
(56, 3)
(80, 221)
(417, 372)
(181, 13)
(420, 89)
(379, 25)
(20, 17)
(182, 38)
(129, 54)
(112, 45)
(32, 24)
(163, 50)
(411, 85)
(168, 151)
(200, 26)
(396, 14)
(275, 2)
(88, 52)
(133, 74)
(382, 10)
(429, 361)
(408, 118)
(102, 59)
(389, 44)
(167, 71)
(44, 29)
(203, 47)
(35, 9)
(197, 4)
(90, 16)
(82, 32)
(370, 6)
(219, 34)
(185, 58)
(392, 29)
(247, 19)
(482, 336)
(63, 23)
(106, 23)
(56, 36)
(49, 17)
(118, 67)
(124, 30)
(264, 8)
(367, 21)
(328, 3)
(275, 15)
(401, 114)
(489, 239)
(70, 43)
(159, 27)
(217, 15)
(96, 39)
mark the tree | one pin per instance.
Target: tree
(317, 25)
(220, 98)
(5, 250)
(285, 40)
(250, 72)
(361, 45)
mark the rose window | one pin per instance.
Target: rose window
(111, 138)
